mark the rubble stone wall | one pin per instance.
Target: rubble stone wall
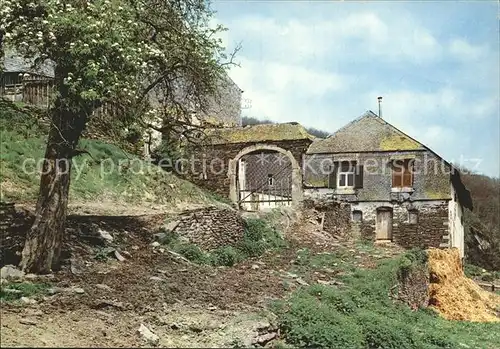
(429, 230)
(211, 227)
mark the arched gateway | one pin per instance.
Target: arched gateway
(283, 163)
(264, 164)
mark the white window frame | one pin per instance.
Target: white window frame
(270, 180)
(347, 174)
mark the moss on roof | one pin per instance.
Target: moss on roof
(398, 142)
(257, 133)
(366, 133)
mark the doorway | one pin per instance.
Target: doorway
(383, 228)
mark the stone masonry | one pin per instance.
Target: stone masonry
(211, 227)
(335, 217)
(216, 159)
(430, 230)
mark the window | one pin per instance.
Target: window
(413, 217)
(402, 173)
(357, 216)
(345, 177)
(345, 174)
(270, 180)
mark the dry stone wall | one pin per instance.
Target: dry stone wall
(13, 226)
(429, 230)
(336, 217)
(211, 227)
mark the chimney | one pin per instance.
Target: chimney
(379, 107)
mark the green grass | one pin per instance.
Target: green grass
(361, 314)
(474, 271)
(25, 290)
(109, 174)
(258, 238)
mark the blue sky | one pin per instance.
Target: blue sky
(323, 63)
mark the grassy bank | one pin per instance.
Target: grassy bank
(106, 173)
(364, 313)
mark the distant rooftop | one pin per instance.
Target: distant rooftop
(14, 63)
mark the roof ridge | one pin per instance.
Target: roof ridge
(366, 114)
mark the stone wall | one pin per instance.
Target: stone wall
(13, 226)
(430, 229)
(211, 227)
(336, 217)
(211, 163)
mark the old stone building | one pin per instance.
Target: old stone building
(255, 166)
(398, 189)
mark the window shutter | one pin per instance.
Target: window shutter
(397, 180)
(332, 176)
(407, 179)
(358, 177)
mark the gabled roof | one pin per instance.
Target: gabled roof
(257, 133)
(15, 63)
(369, 132)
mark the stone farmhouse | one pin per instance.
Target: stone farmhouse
(393, 187)
(398, 189)
(368, 178)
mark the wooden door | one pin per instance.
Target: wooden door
(384, 224)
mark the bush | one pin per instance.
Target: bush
(472, 270)
(339, 301)
(361, 314)
(383, 332)
(436, 339)
(192, 252)
(308, 322)
(227, 256)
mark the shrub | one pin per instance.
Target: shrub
(437, 339)
(383, 332)
(333, 297)
(227, 256)
(308, 322)
(192, 252)
(472, 270)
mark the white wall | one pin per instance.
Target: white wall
(455, 223)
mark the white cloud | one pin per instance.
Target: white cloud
(364, 32)
(283, 92)
(324, 72)
(462, 49)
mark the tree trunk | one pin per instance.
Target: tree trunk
(44, 240)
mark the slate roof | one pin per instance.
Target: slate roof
(13, 63)
(366, 133)
(257, 133)
(370, 133)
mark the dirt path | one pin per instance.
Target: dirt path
(103, 302)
